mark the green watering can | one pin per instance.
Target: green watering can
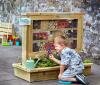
(31, 64)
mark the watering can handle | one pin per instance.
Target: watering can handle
(36, 62)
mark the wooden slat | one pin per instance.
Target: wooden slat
(5, 25)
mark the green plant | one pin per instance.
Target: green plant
(87, 60)
(45, 62)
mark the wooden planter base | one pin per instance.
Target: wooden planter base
(38, 74)
(87, 69)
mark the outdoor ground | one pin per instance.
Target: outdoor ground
(8, 55)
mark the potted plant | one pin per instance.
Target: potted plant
(87, 64)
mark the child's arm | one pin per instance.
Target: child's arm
(54, 59)
(62, 68)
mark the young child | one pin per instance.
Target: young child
(70, 63)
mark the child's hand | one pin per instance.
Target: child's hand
(54, 59)
(51, 57)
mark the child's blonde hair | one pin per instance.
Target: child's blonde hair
(62, 40)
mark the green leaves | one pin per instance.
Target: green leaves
(45, 62)
(87, 61)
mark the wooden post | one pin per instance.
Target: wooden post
(80, 33)
(24, 44)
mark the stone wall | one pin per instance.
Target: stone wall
(9, 9)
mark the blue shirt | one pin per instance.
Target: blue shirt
(72, 60)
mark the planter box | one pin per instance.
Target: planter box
(38, 74)
(87, 70)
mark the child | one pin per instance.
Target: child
(70, 63)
